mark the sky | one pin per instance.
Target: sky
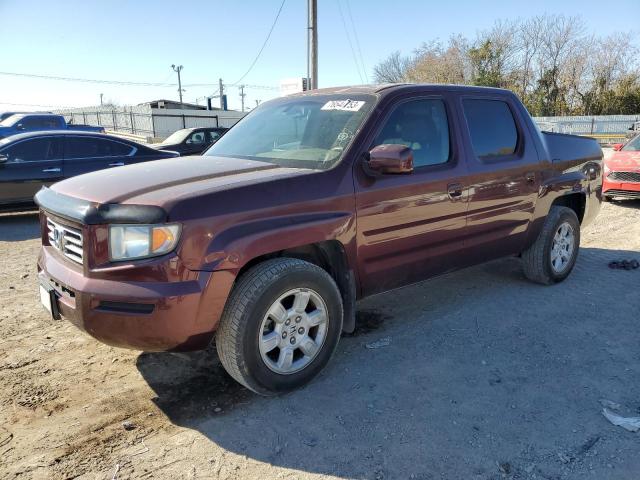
(138, 41)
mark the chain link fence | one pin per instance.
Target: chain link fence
(605, 128)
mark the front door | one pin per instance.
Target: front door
(30, 164)
(412, 226)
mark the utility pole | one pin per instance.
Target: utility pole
(312, 44)
(178, 69)
(242, 95)
(101, 99)
(221, 88)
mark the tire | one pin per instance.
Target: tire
(249, 330)
(606, 198)
(537, 259)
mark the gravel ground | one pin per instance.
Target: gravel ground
(479, 375)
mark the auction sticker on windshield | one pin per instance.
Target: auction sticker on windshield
(347, 105)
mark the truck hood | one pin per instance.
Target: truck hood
(624, 161)
(165, 182)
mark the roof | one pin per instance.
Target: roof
(75, 133)
(177, 102)
(394, 87)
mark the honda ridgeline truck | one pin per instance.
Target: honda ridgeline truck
(309, 203)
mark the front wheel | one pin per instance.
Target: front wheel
(553, 255)
(280, 326)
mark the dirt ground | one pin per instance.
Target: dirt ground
(485, 376)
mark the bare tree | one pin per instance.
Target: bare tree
(393, 69)
(435, 63)
(550, 61)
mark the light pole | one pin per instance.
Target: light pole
(178, 69)
(101, 98)
(312, 44)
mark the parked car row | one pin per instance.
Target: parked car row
(39, 149)
(31, 160)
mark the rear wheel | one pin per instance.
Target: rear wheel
(280, 326)
(553, 255)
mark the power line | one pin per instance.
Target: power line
(355, 35)
(266, 40)
(353, 52)
(33, 105)
(88, 80)
(125, 82)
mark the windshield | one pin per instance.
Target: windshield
(9, 121)
(301, 132)
(177, 137)
(633, 145)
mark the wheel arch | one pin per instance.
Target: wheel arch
(331, 256)
(576, 201)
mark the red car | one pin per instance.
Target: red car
(622, 171)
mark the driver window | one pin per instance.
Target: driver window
(196, 138)
(421, 125)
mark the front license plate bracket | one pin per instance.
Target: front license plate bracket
(49, 300)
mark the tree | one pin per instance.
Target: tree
(550, 61)
(392, 70)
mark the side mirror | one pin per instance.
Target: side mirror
(617, 147)
(19, 126)
(3, 158)
(391, 158)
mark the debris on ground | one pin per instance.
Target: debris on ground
(127, 425)
(631, 424)
(564, 458)
(624, 264)
(383, 342)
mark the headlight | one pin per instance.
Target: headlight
(127, 242)
(606, 169)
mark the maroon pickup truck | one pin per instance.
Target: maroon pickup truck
(308, 204)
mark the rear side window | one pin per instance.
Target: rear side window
(91, 147)
(491, 127)
(214, 135)
(41, 122)
(37, 149)
(421, 125)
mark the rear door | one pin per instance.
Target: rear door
(411, 226)
(86, 153)
(505, 175)
(31, 163)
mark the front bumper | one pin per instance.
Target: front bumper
(150, 316)
(620, 189)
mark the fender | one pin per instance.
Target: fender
(569, 182)
(233, 248)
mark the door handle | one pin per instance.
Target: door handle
(117, 164)
(530, 177)
(454, 190)
(51, 170)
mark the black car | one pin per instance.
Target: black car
(30, 160)
(191, 141)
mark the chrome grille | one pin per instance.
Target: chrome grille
(65, 239)
(632, 177)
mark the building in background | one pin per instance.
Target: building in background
(151, 121)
